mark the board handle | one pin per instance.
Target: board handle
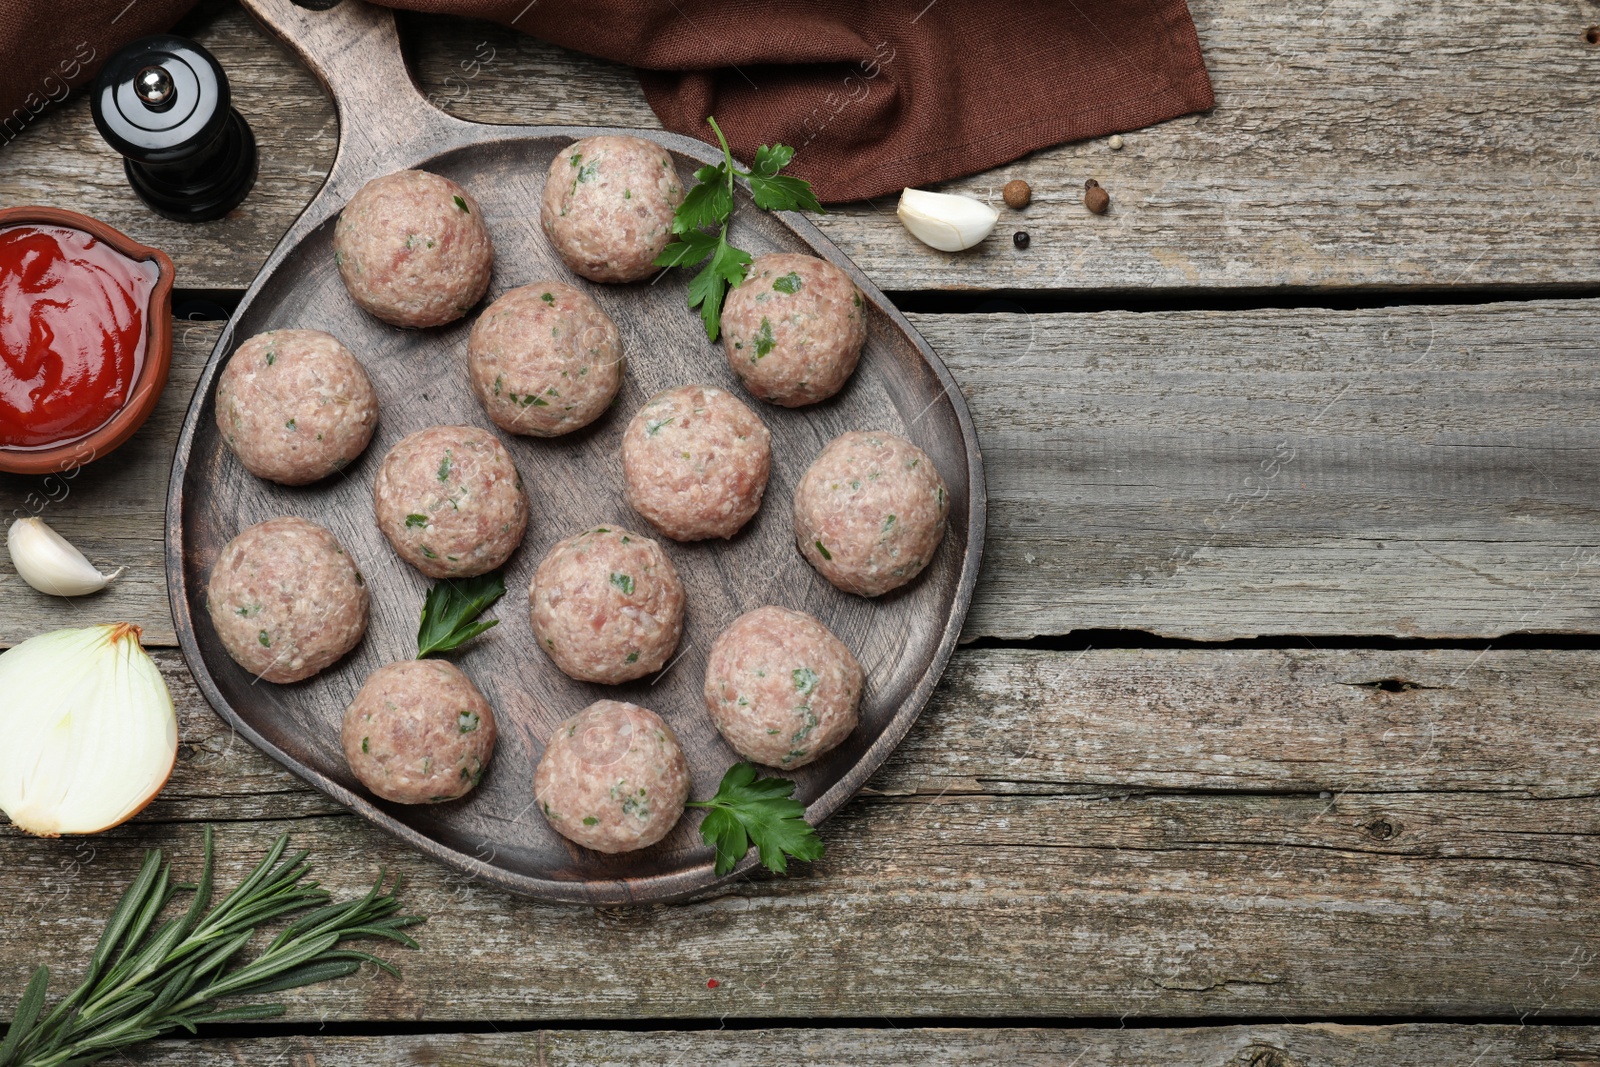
(354, 49)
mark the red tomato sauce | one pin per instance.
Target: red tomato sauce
(72, 333)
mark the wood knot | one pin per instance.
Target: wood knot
(1266, 1056)
(1381, 829)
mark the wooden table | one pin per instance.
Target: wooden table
(1274, 740)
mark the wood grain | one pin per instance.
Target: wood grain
(61, 160)
(114, 511)
(1384, 145)
(1318, 1045)
(1414, 471)
(1411, 471)
(1158, 833)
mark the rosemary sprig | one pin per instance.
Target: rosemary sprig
(146, 980)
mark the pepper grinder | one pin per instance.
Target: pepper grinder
(162, 102)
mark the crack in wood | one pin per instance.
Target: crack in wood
(1392, 685)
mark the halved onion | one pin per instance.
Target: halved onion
(88, 735)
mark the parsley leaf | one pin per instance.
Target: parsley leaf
(450, 608)
(710, 204)
(762, 810)
(784, 193)
(707, 204)
(706, 289)
(691, 247)
(770, 159)
(779, 192)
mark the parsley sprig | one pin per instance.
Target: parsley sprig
(710, 204)
(149, 976)
(450, 608)
(763, 810)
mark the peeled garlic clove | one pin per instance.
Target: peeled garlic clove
(945, 221)
(49, 563)
(88, 734)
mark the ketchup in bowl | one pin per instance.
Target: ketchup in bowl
(73, 333)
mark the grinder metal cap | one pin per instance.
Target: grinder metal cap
(186, 110)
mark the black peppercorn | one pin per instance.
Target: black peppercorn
(1020, 238)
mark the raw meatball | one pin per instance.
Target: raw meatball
(870, 511)
(608, 204)
(607, 606)
(782, 689)
(286, 599)
(612, 778)
(545, 359)
(695, 461)
(419, 732)
(413, 249)
(793, 329)
(450, 501)
(295, 406)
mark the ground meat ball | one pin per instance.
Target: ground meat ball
(793, 329)
(607, 606)
(782, 689)
(695, 462)
(286, 599)
(870, 512)
(295, 406)
(612, 778)
(545, 360)
(450, 501)
(413, 249)
(608, 204)
(419, 732)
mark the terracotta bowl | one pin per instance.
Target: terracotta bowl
(157, 354)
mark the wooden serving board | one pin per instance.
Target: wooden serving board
(902, 640)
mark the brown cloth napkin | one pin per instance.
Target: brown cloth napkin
(874, 96)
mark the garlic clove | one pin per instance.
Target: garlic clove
(48, 562)
(946, 221)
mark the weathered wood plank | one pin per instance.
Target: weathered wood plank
(1160, 833)
(1416, 471)
(1313, 1045)
(1361, 145)
(61, 160)
(1512, 726)
(114, 510)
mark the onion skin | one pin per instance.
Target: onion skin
(88, 733)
